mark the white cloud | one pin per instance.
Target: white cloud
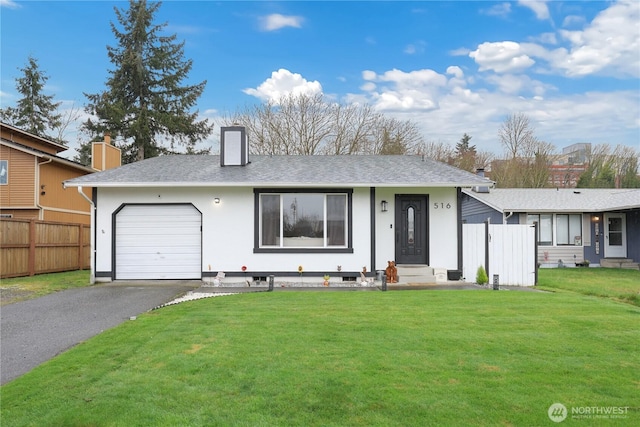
(608, 46)
(284, 83)
(276, 21)
(443, 107)
(502, 10)
(413, 79)
(415, 48)
(501, 57)
(9, 4)
(518, 84)
(397, 90)
(539, 7)
(571, 20)
(463, 51)
(368, 75)
(368, 87)
(455, 71)
(546, 38)
(5, 97)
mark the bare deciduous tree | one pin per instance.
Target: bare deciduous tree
(611, 169)
(309, 124)
(526, 160)
(516, 134)
(439, 151)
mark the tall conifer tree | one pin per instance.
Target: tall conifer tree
(35, 112)
(146, 104)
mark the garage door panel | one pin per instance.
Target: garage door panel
(158, 242)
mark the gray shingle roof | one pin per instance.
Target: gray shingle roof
(279, 171)
(559, 200)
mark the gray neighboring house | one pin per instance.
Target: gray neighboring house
(601, 226)
(191, 217)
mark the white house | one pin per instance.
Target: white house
(192, 216)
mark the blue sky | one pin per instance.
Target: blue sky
(451, 67)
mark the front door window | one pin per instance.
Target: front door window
(615, 231)
(615, 238)
(411, 225)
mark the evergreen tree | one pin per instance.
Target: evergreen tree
(145, 105)
(463, 147)
(465, 154)
(35, 112)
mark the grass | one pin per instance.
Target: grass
(23, 288)
(402, 358)
(619, 284)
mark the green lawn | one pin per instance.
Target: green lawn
(620, 284)
(398, 358)
(23, 288)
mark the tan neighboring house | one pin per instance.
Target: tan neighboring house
(31, 176)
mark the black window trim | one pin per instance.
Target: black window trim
(328, 250)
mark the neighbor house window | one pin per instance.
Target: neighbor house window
(4, 172)
(299, 221)
(545, 227)
(569, 229)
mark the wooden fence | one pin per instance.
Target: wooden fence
(29, 247)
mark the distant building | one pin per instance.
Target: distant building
(566, 169)
(565, 176)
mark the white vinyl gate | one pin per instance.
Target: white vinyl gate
(512, 252)
(158, 242)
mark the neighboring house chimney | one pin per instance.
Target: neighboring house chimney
(480, 189)
(234, 146)
(104, 155)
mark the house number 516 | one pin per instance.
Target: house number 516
(442, 206)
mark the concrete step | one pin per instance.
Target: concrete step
(630, 265)
(415, 274)
(615, 262)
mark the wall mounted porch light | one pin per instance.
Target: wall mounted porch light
(216, 200)
(384, 206)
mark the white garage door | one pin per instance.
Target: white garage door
(158, 242)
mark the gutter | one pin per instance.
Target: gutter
(263, 184)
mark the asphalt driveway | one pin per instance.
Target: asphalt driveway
(34, 331)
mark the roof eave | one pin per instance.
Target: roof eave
(100, 184)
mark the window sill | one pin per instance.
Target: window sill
(290, 250)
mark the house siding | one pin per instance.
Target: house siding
(476, 212)
(550, 256)
(20, 189)
(633, 235)
(228, 231)
(58, 203)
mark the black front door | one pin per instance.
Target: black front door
(412, 242)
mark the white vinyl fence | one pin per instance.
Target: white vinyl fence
(511, 252)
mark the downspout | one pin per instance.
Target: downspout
(506, 218)
(92, 277)
(40, 207)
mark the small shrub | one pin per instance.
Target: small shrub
(481, 276)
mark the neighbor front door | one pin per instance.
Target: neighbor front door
(412, 243)
(615, 235)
